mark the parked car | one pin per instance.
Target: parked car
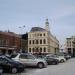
(30, 60)
(66, 56)
(51, 60)
(9, 65)
(60, 58)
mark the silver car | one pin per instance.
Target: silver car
(30, 60)
(60, 58)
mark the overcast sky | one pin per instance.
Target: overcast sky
(17, 13)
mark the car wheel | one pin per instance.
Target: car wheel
(14, 70)
(40, 65)
(62, 60)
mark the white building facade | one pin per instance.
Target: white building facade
(70, 45)
(40, 40)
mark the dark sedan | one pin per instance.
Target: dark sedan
(51, 61)
(9, 65)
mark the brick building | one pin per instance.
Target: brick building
(9, 42)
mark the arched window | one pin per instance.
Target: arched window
(44, 49)
(40, 49)
(40, 34)
(29, 49)
(41, 41)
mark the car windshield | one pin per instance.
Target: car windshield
(14, 55)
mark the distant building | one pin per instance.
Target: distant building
(70, 45)
(40, 40)
(24, 44)
(9, 42)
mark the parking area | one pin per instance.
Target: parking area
(20, 65)
(61, 68)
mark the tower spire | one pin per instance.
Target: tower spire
(47, 25)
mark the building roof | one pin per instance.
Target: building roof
(37, 29)
(10, 34)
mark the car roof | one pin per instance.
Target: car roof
(3, 56)
(24, 53)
